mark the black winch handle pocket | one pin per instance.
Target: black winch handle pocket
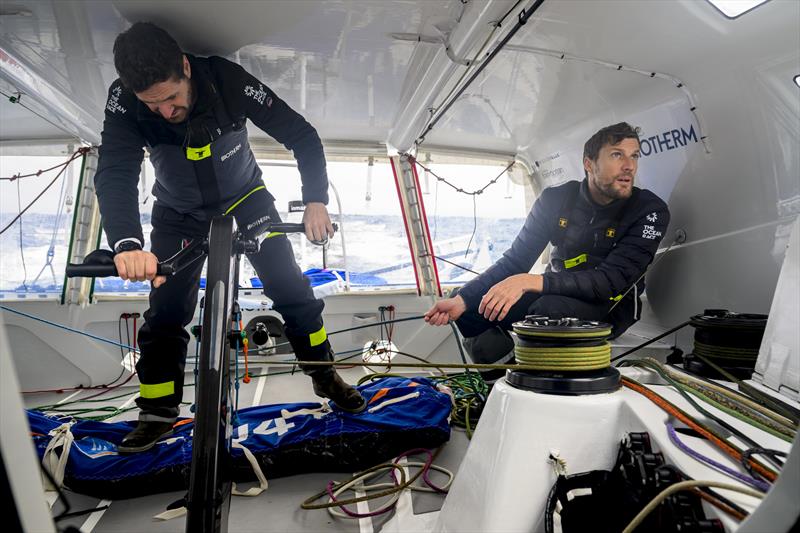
(100, 264)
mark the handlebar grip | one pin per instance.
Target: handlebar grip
(291, 227)
(287, 227)
(106, 271)
(90, 271)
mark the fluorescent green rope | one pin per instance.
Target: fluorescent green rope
(572, 358)
(564, 334)
(736, 414)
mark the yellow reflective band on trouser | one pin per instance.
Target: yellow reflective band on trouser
(575, 261)
(318, 337)
(196, 154)
(616, 298)
(243, 198)
(156, 390)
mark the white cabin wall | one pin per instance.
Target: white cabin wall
(735, 203)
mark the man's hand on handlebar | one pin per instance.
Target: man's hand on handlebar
(138, 265)
(318, 224)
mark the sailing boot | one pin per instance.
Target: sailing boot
(144, 436)
(327, 382)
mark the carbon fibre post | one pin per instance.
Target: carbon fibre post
(209, 494)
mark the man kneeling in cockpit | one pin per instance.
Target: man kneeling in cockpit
(604, 232)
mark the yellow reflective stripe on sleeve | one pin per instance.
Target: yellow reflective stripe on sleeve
(616, 298)
(575, 261)
(318, 337)
(196, 154)
(156, 390)
(243, 198)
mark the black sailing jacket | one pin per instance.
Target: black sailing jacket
(227, 96)
(598, 251)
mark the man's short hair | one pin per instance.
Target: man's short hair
(144, 55)
(609, 135)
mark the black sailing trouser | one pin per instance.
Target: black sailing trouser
(491, 346)
(163, 338)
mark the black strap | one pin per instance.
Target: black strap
(201, 132)
(207, 180)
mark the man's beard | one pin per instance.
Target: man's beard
(179, 117)
(614, 191)
(183, 115)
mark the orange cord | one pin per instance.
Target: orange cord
(719, 505)
(246, 378)
(686, 419)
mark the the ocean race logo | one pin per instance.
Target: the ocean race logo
(113, 101)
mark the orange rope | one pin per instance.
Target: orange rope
(719, 505)
(246, 378)
(729, 449)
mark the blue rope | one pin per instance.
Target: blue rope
(73, 330)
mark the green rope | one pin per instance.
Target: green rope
(726, 352)
(736, 414)
(564, 334)
(567, 358)
(731, 429)
(760, 397)
(469, 396)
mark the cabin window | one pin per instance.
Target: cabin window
(375, 239)
(33, 249)
(736, 8)
(106, 285)
(471, 232)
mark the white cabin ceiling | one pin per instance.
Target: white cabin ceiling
(336, 62)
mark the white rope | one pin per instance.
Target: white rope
(263, 484)
(54, 462)
(394, 400)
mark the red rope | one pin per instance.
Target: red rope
(79, 151)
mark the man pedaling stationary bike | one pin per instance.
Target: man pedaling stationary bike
(191, 114)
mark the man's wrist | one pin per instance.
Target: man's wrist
(127, 245)
(536, 283)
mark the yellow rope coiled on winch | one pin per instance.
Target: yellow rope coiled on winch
(563, 358)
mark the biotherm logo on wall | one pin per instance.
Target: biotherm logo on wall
(667, 140)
